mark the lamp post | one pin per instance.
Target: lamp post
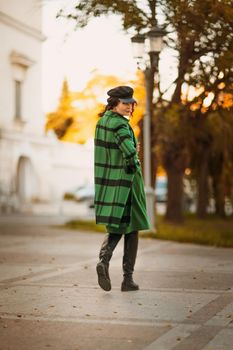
(154, 41)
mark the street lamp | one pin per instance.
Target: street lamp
(154, 39)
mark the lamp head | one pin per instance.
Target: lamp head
(155, 36)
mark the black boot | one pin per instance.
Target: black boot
(129, 258)
(107, 248)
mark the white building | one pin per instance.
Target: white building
(33, 167)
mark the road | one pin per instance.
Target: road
(49, 297)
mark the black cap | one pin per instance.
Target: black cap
(123, 93)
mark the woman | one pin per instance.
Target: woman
(119, 190)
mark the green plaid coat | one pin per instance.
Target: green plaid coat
(116, 162)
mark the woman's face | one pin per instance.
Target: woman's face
(124, 108)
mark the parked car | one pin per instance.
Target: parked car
(81, 193)
(85, 193)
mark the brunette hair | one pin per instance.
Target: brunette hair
(111, 103)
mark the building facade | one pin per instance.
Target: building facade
(33, 167)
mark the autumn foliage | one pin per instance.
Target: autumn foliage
(75, 118)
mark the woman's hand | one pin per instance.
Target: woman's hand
(138, 147)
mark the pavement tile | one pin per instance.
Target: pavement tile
(9, 272)
(38, 335)
(49, 297)
(143, 305)
(222, 340)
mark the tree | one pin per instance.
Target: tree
(221, 157)
(75, 118)
(204, 44)
(64, 116)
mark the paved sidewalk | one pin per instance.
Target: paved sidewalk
(49, 297)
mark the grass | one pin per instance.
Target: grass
(85, 225)
(211, 231)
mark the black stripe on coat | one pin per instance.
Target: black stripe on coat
(112, 219)
(123, 138)
(106, 144)
(110, 204)
(108, 182)
(119, 127)
(98, 126)
(131, 155)
(109, 166)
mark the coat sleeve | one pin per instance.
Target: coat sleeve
(126, 144)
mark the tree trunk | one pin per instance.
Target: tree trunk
(202, 185)
(217, 166)
(219, 195)
(175, 195)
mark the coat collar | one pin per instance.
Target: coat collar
(115, 114)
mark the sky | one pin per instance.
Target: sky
(75, 54)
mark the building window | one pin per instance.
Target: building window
(20, 64)
(18, 100)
